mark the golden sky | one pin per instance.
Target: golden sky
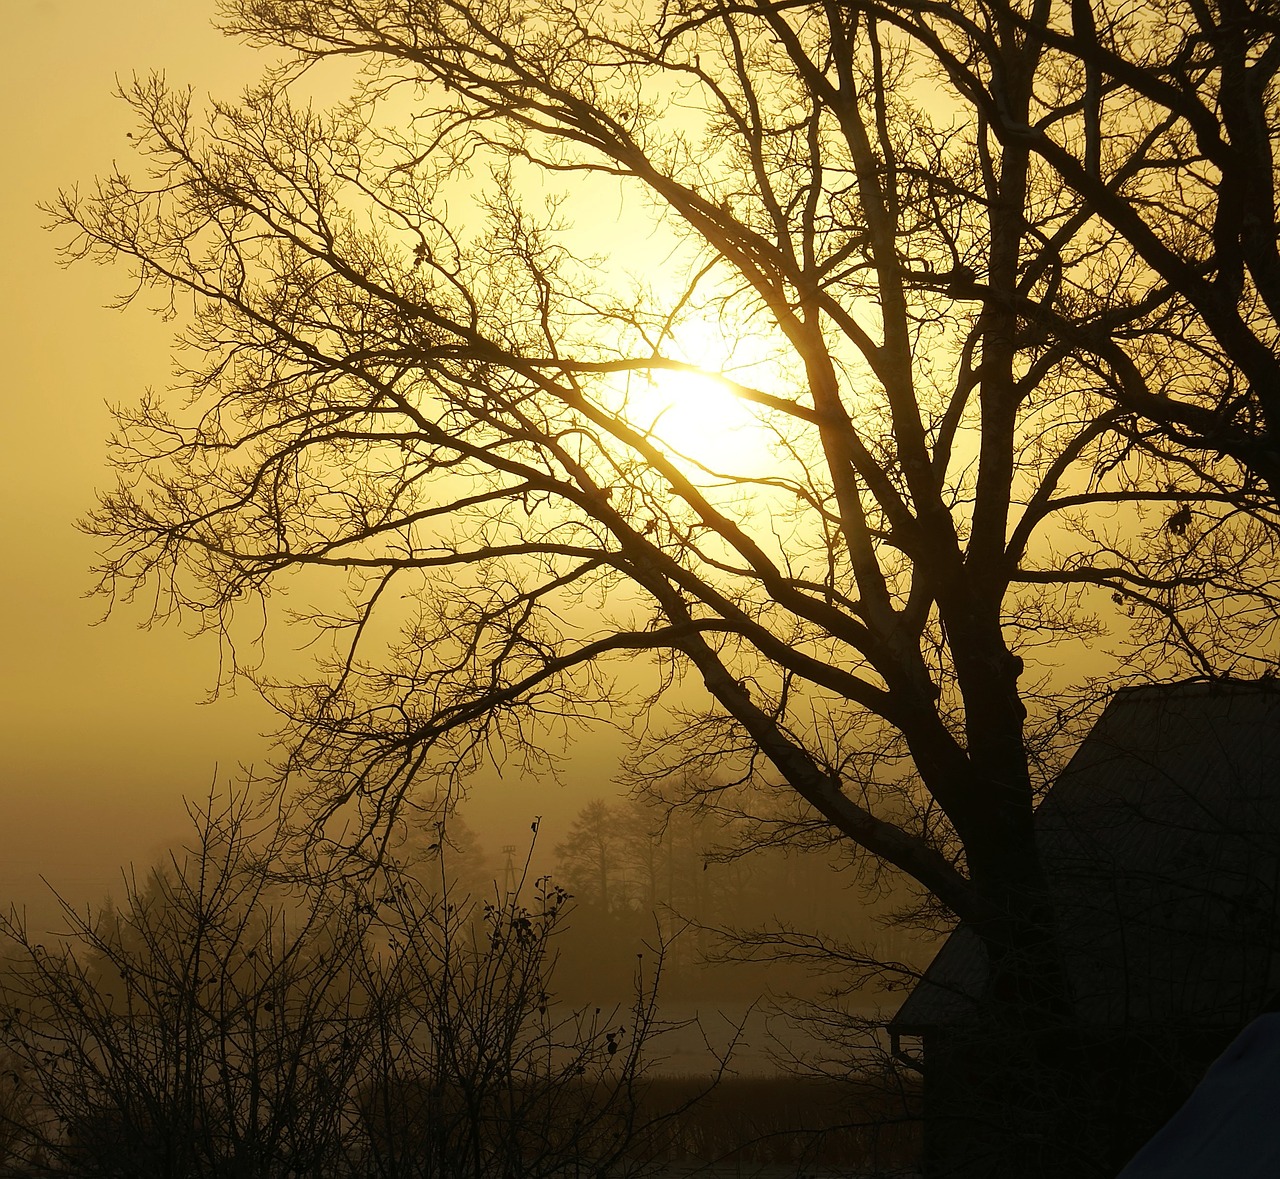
(101, 728)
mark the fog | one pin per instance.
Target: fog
(105, 729)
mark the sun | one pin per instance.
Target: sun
(698, 414)
(698, 419)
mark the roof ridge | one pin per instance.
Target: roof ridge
(1265, 683)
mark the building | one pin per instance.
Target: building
(1161, 843)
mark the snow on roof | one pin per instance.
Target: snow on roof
(1228, 1125)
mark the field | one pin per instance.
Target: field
(784, 1126)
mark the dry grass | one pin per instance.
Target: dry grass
(799, 1123)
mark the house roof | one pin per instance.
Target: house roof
(1161, 843)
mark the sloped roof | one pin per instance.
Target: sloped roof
(1161, 842)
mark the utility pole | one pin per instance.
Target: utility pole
(509, 881)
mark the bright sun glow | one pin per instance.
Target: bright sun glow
(700, 418)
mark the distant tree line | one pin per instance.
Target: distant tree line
(680, 877)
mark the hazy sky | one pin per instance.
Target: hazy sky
(102, 729)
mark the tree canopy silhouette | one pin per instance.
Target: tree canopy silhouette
(1162, 118)
(995, 328)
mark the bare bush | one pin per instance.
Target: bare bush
(233, 1019)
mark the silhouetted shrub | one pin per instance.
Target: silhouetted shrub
(234, 1019)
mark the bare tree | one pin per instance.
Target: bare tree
(480, 1069)
(211, 1025)
(403, 371)
(1162, 118)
